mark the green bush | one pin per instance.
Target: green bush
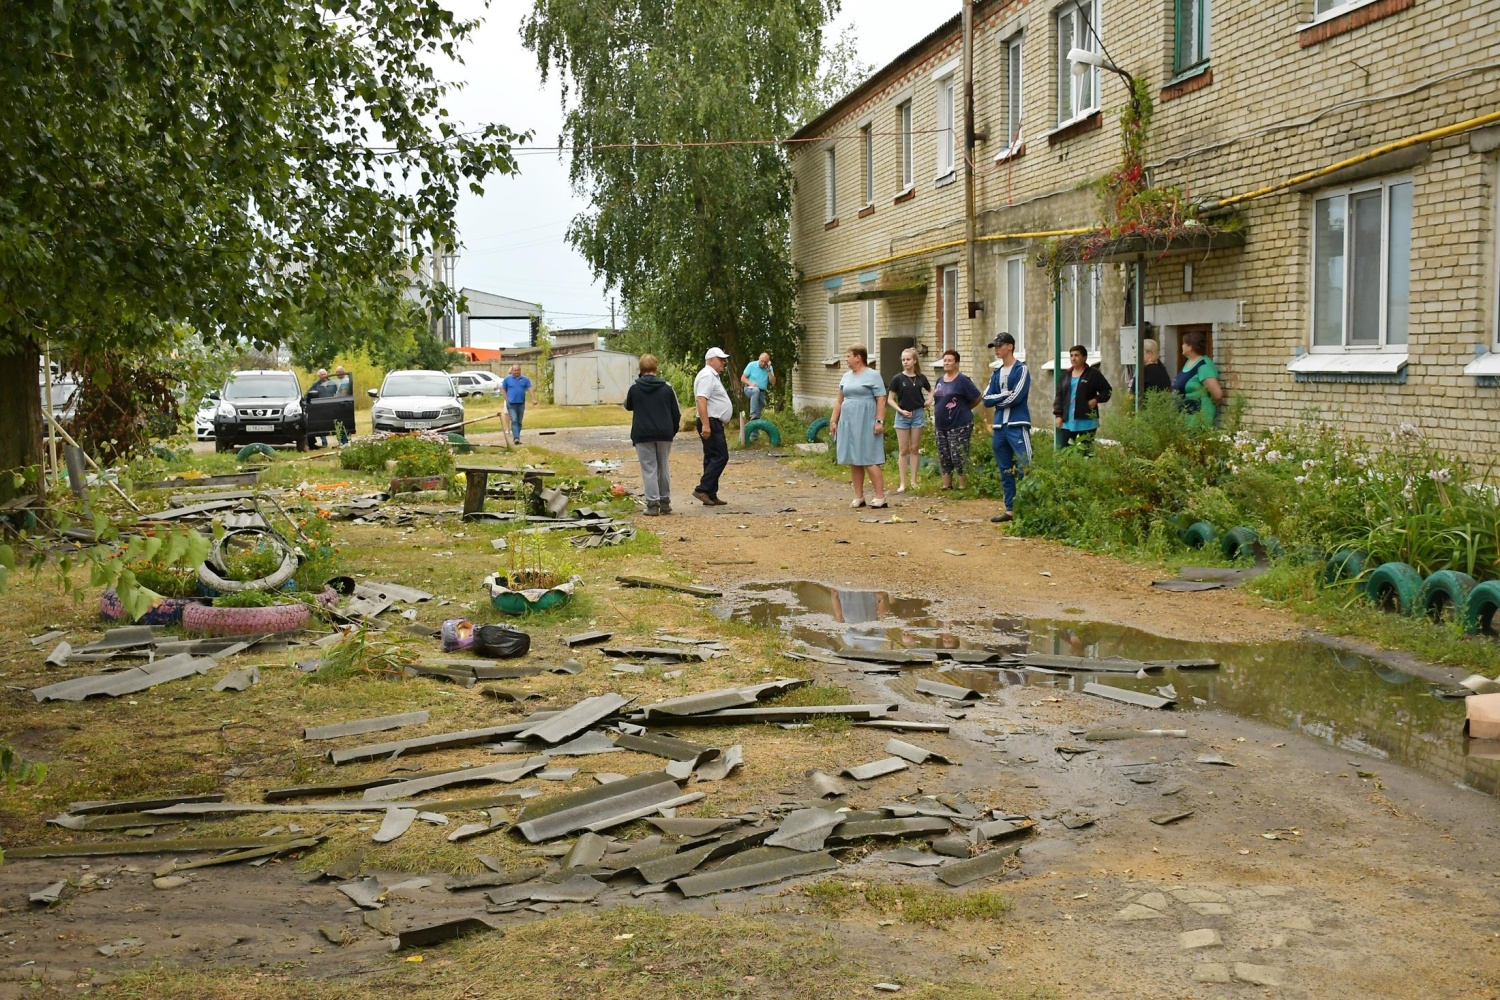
(424, 454)
(1313, 487)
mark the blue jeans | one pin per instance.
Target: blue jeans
(757, 397)
(517, 412)
(1012, 447)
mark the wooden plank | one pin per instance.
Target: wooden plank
(476, 482)
(502, 470)
(681, 588)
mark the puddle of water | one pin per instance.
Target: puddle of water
(1341, 699)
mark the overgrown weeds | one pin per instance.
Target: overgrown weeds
(912, 904)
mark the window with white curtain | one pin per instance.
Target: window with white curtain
(1080, 308)
(1012, 93)
(948, 336)
(903, 122)
(946, 106)
(1077, 23)
(867, 147)
(1011, 317)
(1362, 265)
(831, 332)
(830, 184)
(867, 320)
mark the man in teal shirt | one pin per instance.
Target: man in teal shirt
(759, 376)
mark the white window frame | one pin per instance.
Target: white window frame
(947, 132)
(1094, 274)
(1011, 316)
(904, 125)
(1205, 30)
(1382, 343)
(948, 336)
(867, 147)
(1014, 55)
(1335, 8)
(1076, 12)
(867, 320)
(831, 333)
(830, 184)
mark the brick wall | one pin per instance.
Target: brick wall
(1244, 124)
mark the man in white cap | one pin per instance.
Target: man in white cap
(714, 410)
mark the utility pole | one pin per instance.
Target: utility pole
(970, 222)
(612, 327)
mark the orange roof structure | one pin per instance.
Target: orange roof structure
(476, 354)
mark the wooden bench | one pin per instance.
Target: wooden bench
(477, 478)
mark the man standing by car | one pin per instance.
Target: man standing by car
(517, 388)
(323, 387)
(757, 379)
(343, 385)
(714, 410)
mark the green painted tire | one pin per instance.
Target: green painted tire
(1345, 564)
(1199, 534)
(460, 443)
(815, 428)
(513, 602)
(1394, 586)
(250, 450)
(1445, 596)
(1238, 541)
(772, 432)
(1482, 609)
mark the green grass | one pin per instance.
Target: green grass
(912, 904)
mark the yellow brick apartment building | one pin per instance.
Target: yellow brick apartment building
(1357, 141)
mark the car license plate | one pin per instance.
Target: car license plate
(260, 428)
(417, 425)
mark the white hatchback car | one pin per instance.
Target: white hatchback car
(416, 400)
(477, 383)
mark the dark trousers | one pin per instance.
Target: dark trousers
(1084, 439)
(715, 455)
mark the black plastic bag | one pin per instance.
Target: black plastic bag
(501, 642)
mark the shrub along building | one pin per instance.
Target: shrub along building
(1315, 192)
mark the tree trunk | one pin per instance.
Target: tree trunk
(20, 419)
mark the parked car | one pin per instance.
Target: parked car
(203, 420)
(329, 405)
(64, 391)
(260, 406)
(416, 400)
(477, 383)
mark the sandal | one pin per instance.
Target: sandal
(879, 502)
(901, 488)
(857, 502)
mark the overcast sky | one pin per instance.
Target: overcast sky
(514, 236)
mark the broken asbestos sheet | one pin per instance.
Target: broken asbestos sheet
(596, 808)
(123, 682)
(875, 769)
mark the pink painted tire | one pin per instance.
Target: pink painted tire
(167, 611)
(202, 620)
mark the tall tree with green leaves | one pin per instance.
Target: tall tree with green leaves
(688, 221)
(262, 171)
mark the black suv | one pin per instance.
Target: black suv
(260, 406)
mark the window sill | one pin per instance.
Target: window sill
(1011, 153)
(831, 362)
(1366, 366)
(1087, 122)
(1485, 369)
(867, 211)
(830, 224)
(904, 196)
(943, 180)
(1347, 18)
(1187, 82)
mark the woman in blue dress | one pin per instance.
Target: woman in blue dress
(860, 412)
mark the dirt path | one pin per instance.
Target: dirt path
(1314, 873)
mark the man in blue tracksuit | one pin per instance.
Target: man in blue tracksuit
(1010, 436)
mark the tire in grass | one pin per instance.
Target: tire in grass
(1238, 541)
(1481, 613)
(1345, 564)
(1445, 595)
(772, 432)
(459, 443)
(1199, 534)
(1394, 586)
(251, 450)
(815, 428)
(202, 619)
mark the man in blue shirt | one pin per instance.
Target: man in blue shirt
(759, 376)
(1010, 435)
(517, 388)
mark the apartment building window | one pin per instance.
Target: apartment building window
(830, 185)
(1077, 22)
(1362, 266)
(1012, 315)
(867, 320)
(948, 335)
(1192, 35)
(867, 145)
(1013, 94)
(1080, 312)
(831, 333)
(903, 121)
(945, 131)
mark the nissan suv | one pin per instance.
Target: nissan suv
(416, 400)
(260, 406)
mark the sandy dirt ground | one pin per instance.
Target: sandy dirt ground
(1300, 871)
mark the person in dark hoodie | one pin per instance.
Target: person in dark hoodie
(652, 428)
(1079, 393)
